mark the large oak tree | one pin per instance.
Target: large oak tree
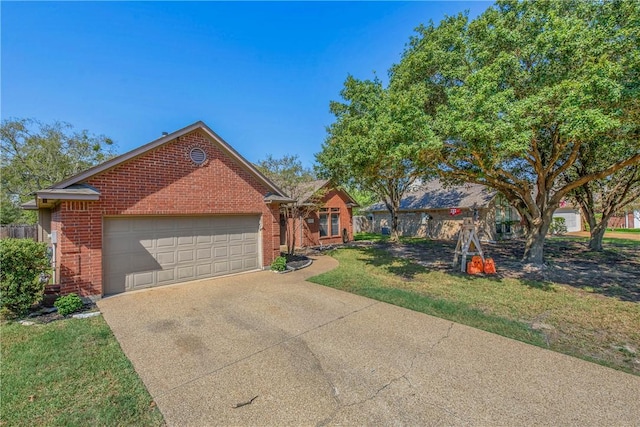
(36, 155)
(518, 93)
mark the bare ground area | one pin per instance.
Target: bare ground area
(614, 272)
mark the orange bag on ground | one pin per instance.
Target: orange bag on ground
(475, 265)
(489, 266)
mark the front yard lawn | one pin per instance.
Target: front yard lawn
(70, 372)
(563, 318)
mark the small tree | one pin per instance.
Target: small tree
(599, 200)
(298, 182)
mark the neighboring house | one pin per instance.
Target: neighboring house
(434, 211)
(630, 219)
(326, 216)
(571, 215)
(183, 207)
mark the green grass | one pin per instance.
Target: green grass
(624, 230)
(605, 240)
(374, 237)
(573, 321)
(70, 372)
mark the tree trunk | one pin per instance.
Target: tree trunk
(291, 234)
(395, 235)
(534, 247)
(597, 233)
(536, 234)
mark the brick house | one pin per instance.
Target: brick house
(327, 220)
(183, 207)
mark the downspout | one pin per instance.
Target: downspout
(54, 243)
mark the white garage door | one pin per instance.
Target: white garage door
(571, 219)
(141, 252)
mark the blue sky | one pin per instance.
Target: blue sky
(260, 74)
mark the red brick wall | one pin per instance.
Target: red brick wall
(163, 181)
(311, 231)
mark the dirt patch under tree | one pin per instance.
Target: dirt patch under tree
(614, 272)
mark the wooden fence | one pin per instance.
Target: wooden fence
(19, 232)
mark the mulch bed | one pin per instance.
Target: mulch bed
(296, 262)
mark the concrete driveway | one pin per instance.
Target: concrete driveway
(312, 355)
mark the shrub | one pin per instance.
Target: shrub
(558, 226)
(68, 304)
(22, 264)
(279, 264)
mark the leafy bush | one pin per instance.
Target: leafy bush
(68, 304)
(279, 264)
(558, 226)
(22, 264)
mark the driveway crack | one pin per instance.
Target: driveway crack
(404, 377)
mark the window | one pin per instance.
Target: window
(330, 222)
(503, 215)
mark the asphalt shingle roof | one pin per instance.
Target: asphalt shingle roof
(433, 195)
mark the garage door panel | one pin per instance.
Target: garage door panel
(186, 272)
(118, 226)
(250, 249)
(117, 282)
(186, 240)
(236, 264)
(235, 236)
(165, 242)
(186, 255)
(146, 242)
(204, 270)
(142, 279)
(205, 253)
(152, 251)
(119, 245)
(220, 267)
(165, 277)
(220, 238)
(204, 240)
(166, 258)
(221, 252)
(143, 261)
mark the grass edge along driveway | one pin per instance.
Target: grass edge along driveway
(70, 372)
(571, 321)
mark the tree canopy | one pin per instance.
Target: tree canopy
(36, 155)
(518, 93)
(373, 142)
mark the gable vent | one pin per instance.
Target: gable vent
(197, 155)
